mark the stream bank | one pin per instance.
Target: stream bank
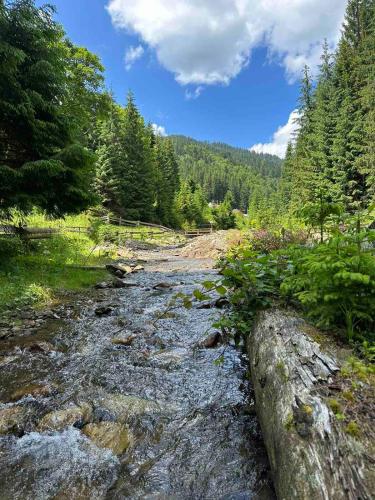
(128, 403)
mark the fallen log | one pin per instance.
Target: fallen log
(311, 456)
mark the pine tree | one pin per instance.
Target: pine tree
(41, 164)
(110, 161)
(305, 174)
(366, 70)
(287, 177)
(167, 181)
(350, 142)
(323, 125)
(138, 175)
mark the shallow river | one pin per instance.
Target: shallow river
(154, 419)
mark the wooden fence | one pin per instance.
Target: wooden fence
(33, 233)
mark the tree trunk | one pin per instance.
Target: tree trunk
(311, 456)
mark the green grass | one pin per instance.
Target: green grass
(45, 268)
(38, 271)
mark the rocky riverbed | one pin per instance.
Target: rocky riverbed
(117, 395)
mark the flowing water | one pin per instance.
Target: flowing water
(175, 425)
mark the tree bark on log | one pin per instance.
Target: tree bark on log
(311, 456)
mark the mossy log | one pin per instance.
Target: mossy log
(311, 455)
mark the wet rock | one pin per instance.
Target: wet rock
(120, 283)
(114, 268)
(167, 359)
(205, 305)
(138, 268)
(221, 302)
(163, 286)
(11, 420)
(76, 416)
(103, 310)
(127, 341)
(34, 390)
(43, 347)
(119, 273)
(109, 435)
(127, 407)
(212, 341)
(101, 286)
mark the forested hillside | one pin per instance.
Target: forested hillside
(220, 168)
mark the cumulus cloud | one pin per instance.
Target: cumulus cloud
(207, 42)
(132, 55)
(280, 138)
(159, 130)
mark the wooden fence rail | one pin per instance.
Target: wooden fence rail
(31, 233)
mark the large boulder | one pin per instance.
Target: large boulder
(311, 455)
(125, 408)
(110, 435)
(73, 416)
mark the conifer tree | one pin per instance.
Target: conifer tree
(110, 161)
(167, 181)
(138, 175)
(41, 162)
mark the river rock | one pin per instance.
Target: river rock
(11, 419)
(163, 286)
(114, 268)
(126, 341)
(127, 407)
(43, 347)
(212, 341)
(103, 310)
(110, 435)
(138, 268)
(76, 416)
(103, 285)
(34, 390)
(120, 283)
(311, 456)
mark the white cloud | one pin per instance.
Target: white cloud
(280, 138)
(159, 130)
(207, 42)
(132, 55)
(193, 94)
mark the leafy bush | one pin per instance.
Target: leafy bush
(335, 282)
(10, 247)
(263, 240)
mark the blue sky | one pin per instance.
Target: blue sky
(209, 74)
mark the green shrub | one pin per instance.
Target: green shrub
(335, 282)
(9, 248)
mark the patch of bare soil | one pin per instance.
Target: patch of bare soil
(211, 246)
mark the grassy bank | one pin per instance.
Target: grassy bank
(37, 272)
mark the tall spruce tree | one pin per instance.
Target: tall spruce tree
(138, 175)
(110, 161)
(167, 181)
(305, 174)
(41, 163)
